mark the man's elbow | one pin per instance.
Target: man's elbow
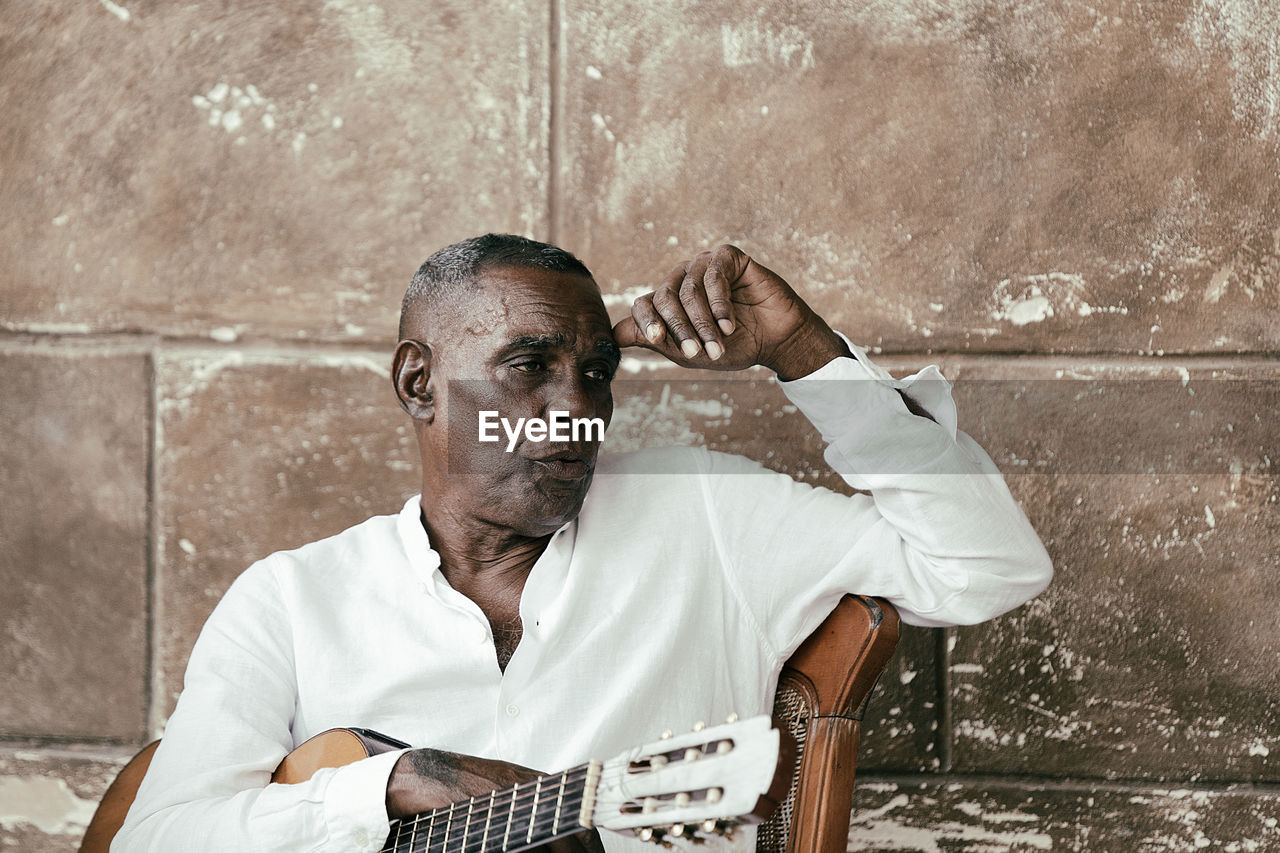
(1019, 581)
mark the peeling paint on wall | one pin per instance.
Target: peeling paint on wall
(880, 829)
(47, 804)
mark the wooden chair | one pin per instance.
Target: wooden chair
(822, 693)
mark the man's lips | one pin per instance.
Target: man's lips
(567, 464)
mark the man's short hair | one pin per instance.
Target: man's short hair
(454, 270)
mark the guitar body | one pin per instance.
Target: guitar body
(334, 748)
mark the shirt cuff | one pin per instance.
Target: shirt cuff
(928, 388)
(355, 802)
(857, 407)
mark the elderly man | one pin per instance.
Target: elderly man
(536, 606)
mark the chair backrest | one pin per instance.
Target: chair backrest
(110, 814)
(822, 693)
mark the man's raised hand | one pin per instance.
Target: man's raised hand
(723, 311)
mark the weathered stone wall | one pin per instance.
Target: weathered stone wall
(208, 212)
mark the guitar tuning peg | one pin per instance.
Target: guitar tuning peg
(714, 795)
(665, 735)
(677, 829)
(692, 754)
(724, 746)
(732, 718)
(710, 825)
(699, 726)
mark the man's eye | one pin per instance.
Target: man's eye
(528, 366)
(600, 374)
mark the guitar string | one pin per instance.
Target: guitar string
(466, 833)
(525, 795)
(467, 840)
(503, 802)
(615, 769)
(572, 801)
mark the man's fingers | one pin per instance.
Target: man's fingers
(691, 310)
(668, 305)
(627, 334)
(647, 319)
(726, 266)
(693, 299)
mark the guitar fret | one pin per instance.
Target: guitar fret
(431, 828)
(533, 815)
(555, 822)
(484, 839)
(447, 826)
(466, 827)
(515, 793)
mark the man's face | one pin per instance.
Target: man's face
(529, 342)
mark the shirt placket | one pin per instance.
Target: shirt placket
(521, 692)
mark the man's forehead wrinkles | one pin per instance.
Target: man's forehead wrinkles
(536, 341)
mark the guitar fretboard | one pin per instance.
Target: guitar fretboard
(503, 821)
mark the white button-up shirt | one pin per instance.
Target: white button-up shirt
(677, 595)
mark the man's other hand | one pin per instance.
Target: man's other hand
(723, 311)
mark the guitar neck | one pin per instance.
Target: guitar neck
(504, 821)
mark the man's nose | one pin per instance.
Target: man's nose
(571, 395)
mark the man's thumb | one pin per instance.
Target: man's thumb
(627, 334)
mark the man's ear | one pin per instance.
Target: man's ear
(411, 374)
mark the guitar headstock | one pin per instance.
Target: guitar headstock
(701, 783)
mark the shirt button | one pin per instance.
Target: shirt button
(362, 838)
(512, 710)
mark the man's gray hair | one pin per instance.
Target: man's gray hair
(454, 269)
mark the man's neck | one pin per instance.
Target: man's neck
(481, 560)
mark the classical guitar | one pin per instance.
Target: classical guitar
(689, 786)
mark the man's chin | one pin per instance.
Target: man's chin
(558, 501)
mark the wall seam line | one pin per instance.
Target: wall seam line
(152, 558)
(944, 738)
(554, 123)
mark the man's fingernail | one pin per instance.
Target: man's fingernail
(689, 348)
(714, 350)
(653, 331)
(726, 325)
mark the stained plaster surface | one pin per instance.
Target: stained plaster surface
(73, 531)
(274, 169)
(304, 447)
(1155, 490)
(961, 176)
